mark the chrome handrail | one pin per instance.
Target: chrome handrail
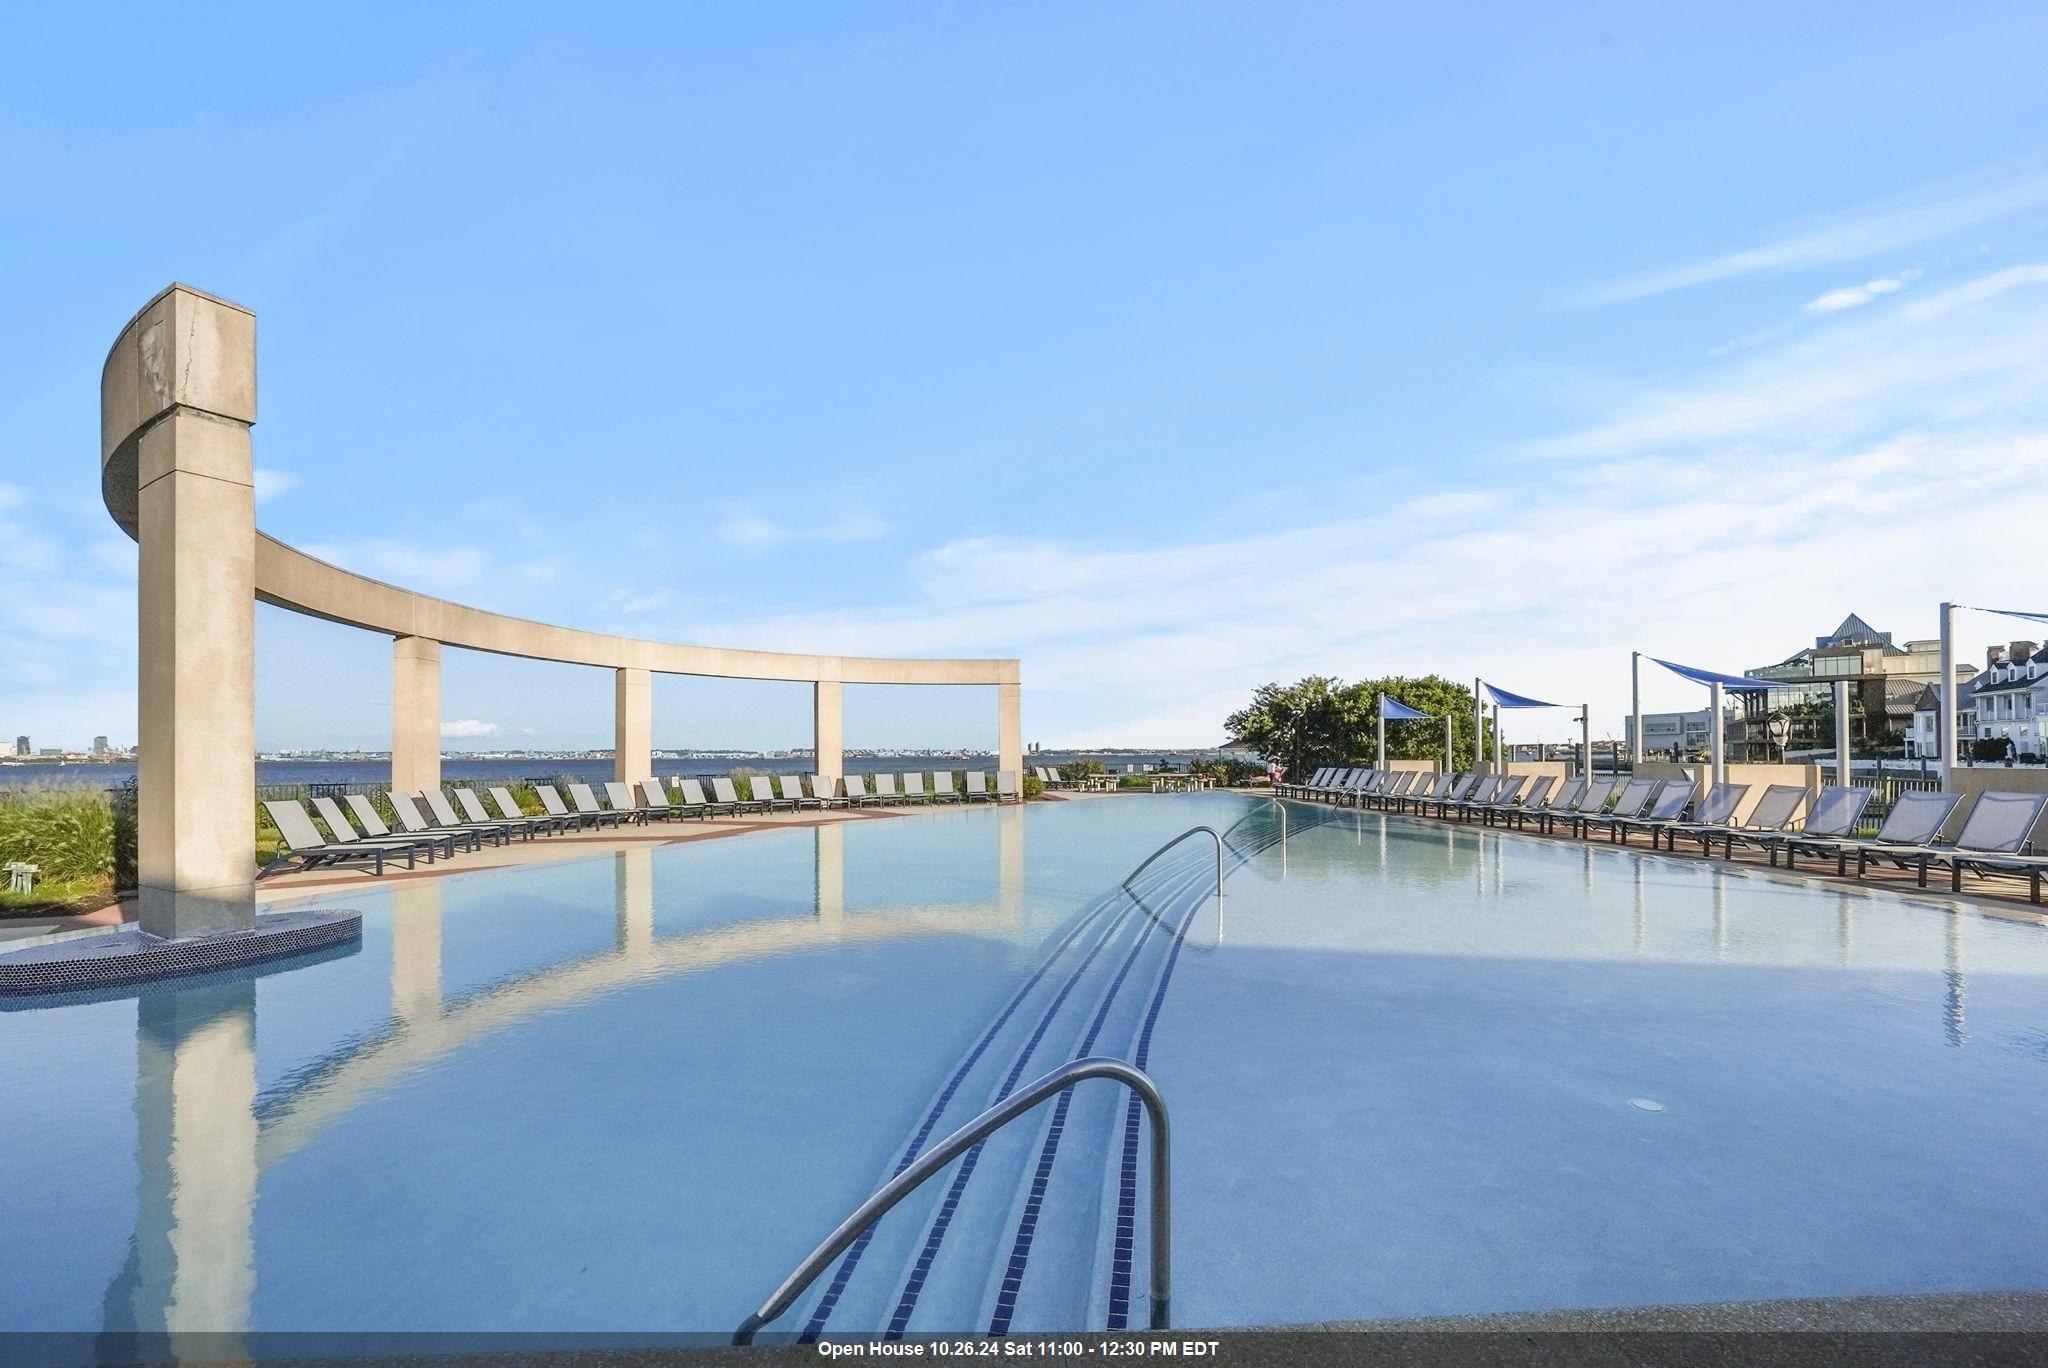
(975, 1131)
(1176, 841)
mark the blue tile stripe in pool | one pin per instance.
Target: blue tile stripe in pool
(851, 1260)
(1041, 1178)
(913, 1287)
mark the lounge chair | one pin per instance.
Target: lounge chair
(942, 787)
(474, 814)
(1635, 795)
(1506, 798)
(654, 797)
(857, 794)
(1422, 795)
(1771, 815)
(1333, 782)
(1559, 798)
(695, 801)
(1991, 840)
(585, 799)
(885, 789)
(1364, 784)
(311, 849)
(1461, 785)
(1487, 790)
(1286, 790)
(728, 796)
(624, 799)
(763, 788)
(372, 823)
(444, 817)
(822, 789)
(1530, 799)
(344, 831)
(416, 824)
(551, 802)
(914, 790)
(1007, 787)
(1590, 802)
(1916, 819)
(791, 788)
(1673, 801)
(978, 790)
(508, 808)
(1835, 815)
(1392, 794)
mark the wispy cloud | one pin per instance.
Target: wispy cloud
(1855, 296)
(271, 483)
(1853, 237)
(468, 728)
(742, 528)
(1979, 290)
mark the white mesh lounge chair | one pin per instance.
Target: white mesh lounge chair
(551, 802)
(655, 800)
(1593, 800)
(857, 794)
(728, 796)
(764, 788)
(1440, 803)
(1423, 794)
(474, 814)
(443, 815)
(978, 790)
(694, 799)
(791, 788)
(1916, 819)
(624, 799)
(1629, 804)
(1487, 790)
(372, 824)
(823, 790)
(1557, 798)
(1286, 789)
(1530, 799)
(914, 790)
(1506, 797)
(1834, 816)
(1007, 787)
(1673, 802)
(344, 832)
(311, 849)
(1991, 841)
(1772, 814)
(586, 803)
(508, 808)
(416, 824)
(942, 787)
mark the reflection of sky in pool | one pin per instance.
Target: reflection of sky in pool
(630, 1093)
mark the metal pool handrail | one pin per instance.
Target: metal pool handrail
(975, 1131)
(1176, 841)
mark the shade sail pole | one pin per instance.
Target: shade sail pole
(1717, 729)
(1498, 766)
(1447, 744)
(1635, 695)
(1478, 723)
(1842, 756)
(1586, 742)
(1947, 699)
(1380, 753)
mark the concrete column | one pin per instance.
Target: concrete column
(1842, 756)
(633, 727)
(1010, 728)
(177, 399)
(415, 714)
(1380, 742)
(1717, 734)
(1950, 756)
(1635, 703)
(1499, 765)
(1478, 724)
(828, 727)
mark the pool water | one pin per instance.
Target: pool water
(1414, 1068)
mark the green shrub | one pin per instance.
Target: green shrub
(1081, 769)
(1034, 787)
(67, 833)
(1134, 781)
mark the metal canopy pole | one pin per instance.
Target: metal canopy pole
(1718, 731)
(1948, 701)
(1842, 757)
(1381, 753)
(1498, 766)
(1478, 724)
(1586, 742)
(1447, 743)
(1635, 694)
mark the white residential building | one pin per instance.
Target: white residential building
(2010, 698)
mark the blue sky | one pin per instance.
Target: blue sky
(1172, 348)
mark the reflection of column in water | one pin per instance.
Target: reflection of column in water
(1642, 909)
(1500, 867)
(831, 875)
(1586, 865)
(1955, 1022)
(1383, 842)
(1010, 863)
(1845, 924)
(634, 885)
(1720, 915)
(416, 951)
(191, 1267)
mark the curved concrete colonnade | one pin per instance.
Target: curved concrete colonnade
(177, 400)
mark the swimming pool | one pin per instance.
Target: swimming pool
(1414, 1068)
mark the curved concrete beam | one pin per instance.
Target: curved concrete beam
(156, 365)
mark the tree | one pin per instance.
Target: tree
(1322, 721)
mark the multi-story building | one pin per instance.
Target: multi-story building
(21, 746)
(1923, 739)
(100, 746)
(1886, 681)
(1678, 735)
(2009, 700)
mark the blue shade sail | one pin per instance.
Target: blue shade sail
(1733, 683)
(1515, 700)
(1394, 710)
(2014, 612)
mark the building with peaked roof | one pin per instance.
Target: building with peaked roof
(1885, 682)
(1923, 737)
(2008, 700)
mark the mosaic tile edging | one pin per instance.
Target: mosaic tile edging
(132, 956)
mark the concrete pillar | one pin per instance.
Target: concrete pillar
(1950, 756)
(415, 714)
(828, 727)
(193, 1265)
(177, 399)
(1635, 704)
(1478, 724)
(633, 727)
(1010, 728)
(1717, 736)
(1499, 765)
(1380, 732)
(1842, 748)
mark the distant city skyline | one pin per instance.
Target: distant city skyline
(1172, 350)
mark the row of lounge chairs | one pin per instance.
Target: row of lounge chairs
(1992, 842)
(457, 819)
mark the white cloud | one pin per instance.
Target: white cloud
(468, 727)
(271, 483)
(1980, 290)
(742, 528)
(1850, 238)
(11, 496)
(1854, 296)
